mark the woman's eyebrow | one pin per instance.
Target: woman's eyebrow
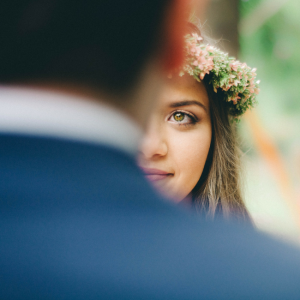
(188, 102)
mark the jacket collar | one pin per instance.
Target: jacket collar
(53, 114)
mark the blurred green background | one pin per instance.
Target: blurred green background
(266, 35)
(271, 42)
(269, 34)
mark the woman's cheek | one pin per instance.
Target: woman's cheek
(189, 152)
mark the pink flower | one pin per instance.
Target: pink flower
(197, 37)
(234, 66)
(202, 59)
(201, 67)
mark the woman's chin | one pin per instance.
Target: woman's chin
(164, 184)
(170, 194)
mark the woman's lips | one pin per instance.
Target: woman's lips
(156, 177)
(155, 174)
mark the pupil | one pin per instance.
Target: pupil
(178, 116)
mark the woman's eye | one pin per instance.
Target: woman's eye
(182, 118)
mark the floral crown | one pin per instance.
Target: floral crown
(234, 78)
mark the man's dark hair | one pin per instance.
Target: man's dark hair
(103, 43)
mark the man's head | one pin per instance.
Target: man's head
(103, 44)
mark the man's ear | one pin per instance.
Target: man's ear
(175, 29)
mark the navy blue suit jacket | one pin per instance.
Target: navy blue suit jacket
(78, 221)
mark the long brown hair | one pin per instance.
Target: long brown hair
(219, 187)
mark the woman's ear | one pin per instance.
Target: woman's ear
(175, 29)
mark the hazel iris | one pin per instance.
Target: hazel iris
(178, 116)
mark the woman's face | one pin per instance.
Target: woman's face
(176, 144)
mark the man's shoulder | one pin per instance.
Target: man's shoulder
(52, 152)
(78, 221)
(72, 170)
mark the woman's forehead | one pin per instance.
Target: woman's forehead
(185, 87)
(185, 80)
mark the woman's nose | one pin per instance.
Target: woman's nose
(153, 144)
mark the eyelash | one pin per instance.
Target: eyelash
(193, 118)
